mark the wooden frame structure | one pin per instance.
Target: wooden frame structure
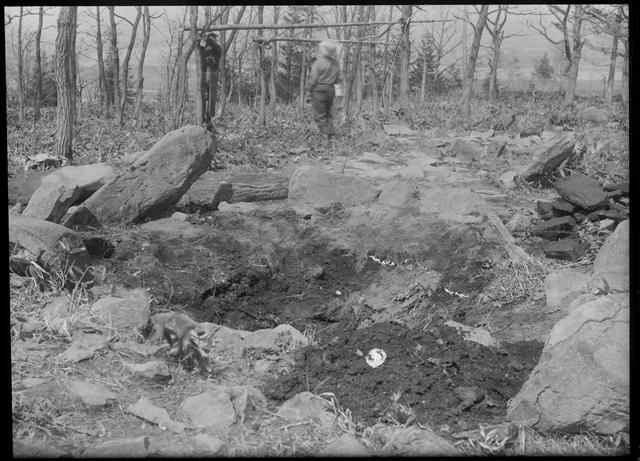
(209, 87)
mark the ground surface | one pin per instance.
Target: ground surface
(422, 371)
(351, 278)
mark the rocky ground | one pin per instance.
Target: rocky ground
(413, 243)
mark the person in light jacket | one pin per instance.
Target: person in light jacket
(320, 91)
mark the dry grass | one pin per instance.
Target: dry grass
(516, 281)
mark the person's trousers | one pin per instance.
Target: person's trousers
(322, 101)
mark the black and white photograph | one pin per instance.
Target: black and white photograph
(322, 230)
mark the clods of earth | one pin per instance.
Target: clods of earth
(431, 376)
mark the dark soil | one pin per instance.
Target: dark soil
(428, 369)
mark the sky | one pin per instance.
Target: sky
(526, 44)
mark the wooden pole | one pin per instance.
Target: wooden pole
(215, 28)
(314, 40)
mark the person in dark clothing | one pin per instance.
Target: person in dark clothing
(320, 91)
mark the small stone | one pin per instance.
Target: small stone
(155, 370)
(144, 409)
(92, 395)
(508, 178)
(345, 445)
(567, 249)
(555, 228)
(606, 224)
(83, 346)
(179, 216)
(16, 209)
(518, 223)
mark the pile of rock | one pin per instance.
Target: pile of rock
(581, 198)
(582, 379)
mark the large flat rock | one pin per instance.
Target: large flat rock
(157, 180)
(319, 188)
(581, 190)
(50, 245)
(65, 187)
(612, 261)
(582, 379)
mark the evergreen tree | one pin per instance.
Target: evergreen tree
(544, 69)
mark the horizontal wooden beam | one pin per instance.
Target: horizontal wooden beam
(220, 27)
(316, 40)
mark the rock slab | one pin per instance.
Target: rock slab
(66, 187)
(612, 261)
(50, 245)
(581, 190)
(157, 180)
(126, 309)
(582, 379)
(563, 286)
(566, 249)
(312, 185)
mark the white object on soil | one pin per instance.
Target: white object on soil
(375, 357)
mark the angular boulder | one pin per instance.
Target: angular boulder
(612, 261)
(413, 441)
(306, 406)
(466, 151)
(66, 187)
(312, 185)
(125, 309)
(51, 246)
(565, 249)
(562, 286)
(581, 190)
(550, 155)
(157, 180)
(555, 228)
(582, 379)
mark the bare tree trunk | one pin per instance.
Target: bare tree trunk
(578, 15)
(101, 73)
(115, 62)
(200, 83)
(388, 68)
(262, 120)
(608, 95)
(20, 70)
(65, 62)
(625, 73)
(38, 100)
(374, 87)
(125, 63)
(473, 56)
(464, 40)
(359, 87)
(423, 83)
(493, 72)
(146, 30)
(354, 74)
(405, 56)
(182, 78)
(175, 77)
(274, 66)
(305, 59)
(226, 44)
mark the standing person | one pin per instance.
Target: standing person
(325, 73)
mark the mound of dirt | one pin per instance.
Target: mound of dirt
(427, 373)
